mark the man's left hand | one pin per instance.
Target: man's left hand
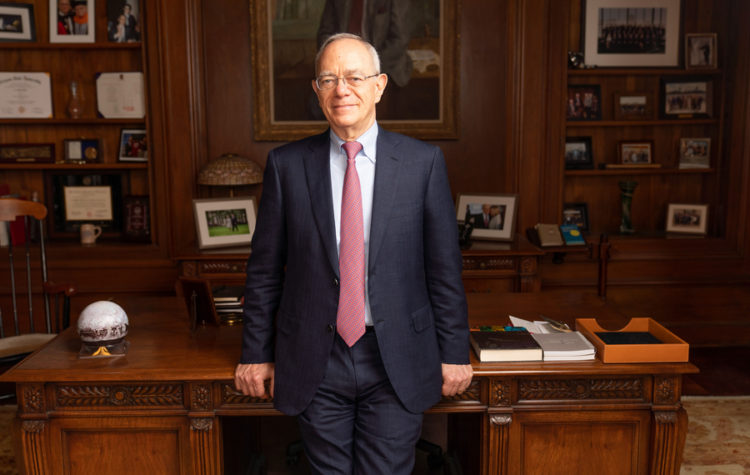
(456, 378)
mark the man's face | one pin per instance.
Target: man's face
(80, 10)
(63, 6)
(350, 111)
(486, 209)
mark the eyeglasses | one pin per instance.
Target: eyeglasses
(326, 83)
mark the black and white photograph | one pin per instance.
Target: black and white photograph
(700, 51)
(621, 33)
(695, 152)
(687, 218)
(123, 21)
(578, 154)
(17, 22)
(72, 21)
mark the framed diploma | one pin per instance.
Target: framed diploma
(74, 198)
(120, 95)
(25, 96)
(17, 22)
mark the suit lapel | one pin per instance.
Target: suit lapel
(318, 172)
(386, 184)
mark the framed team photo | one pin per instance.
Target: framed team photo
(225, 222)
(687, 218)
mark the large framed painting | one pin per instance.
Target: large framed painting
(628, 33)
(421, 98)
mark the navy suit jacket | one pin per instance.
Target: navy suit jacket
(415, 289)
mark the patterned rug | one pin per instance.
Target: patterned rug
(718, 440)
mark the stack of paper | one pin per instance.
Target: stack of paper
(570, 346)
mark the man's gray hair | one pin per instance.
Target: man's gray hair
(348, 36)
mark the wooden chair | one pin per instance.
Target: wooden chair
(25, 338)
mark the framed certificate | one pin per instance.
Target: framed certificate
(74, 198)
(120, 95)
(25, 95)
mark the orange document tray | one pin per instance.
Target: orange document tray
(673, 348)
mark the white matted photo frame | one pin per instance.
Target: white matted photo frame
(72, 21)
(628, 33)
(225, 222)
(700, 51)
(133, 146)
(492, 215)
(17, 22)
(687, 218)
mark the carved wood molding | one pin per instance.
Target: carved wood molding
(33, 426)
(487, 263)
(555, 389)
(665, 417)
(222, 267)
(528, 266)
(120, 395)
(200, 397)
(665, 390)
(472, 394)
(189, 269)
(201, 423)
(500, 392)
(500, 419)
(33, 399)
(229, 395)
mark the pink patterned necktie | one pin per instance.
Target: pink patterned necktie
(350, 319)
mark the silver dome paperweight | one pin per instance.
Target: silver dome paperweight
(102, 327)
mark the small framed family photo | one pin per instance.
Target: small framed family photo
(72, 21)
(634, 106)
(685, 98)
(635, 153)
(133, 145)
(17, 22)
(576, 213)
(225, 222)
(493, 216)
(695, 152)
(687, 218)
(123, 21)
(584, 102)
(578, 153)
(700, 51)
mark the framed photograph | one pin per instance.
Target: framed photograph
(225, 222)
(687, 218)
(27, 153)
(418, 44)
(136, 221)
(81, 150)
(120, 95)
(584, 102)
(72, 21)
(700, 51)
(77, 197)
(133, 146)
(635, 153)
(631, 33)
(123, 21)
(578, 153)
(634, 106)
(576, 213)
(17, 22)
(695, 152)
(25, 95)
(686, 98)
(493, 216)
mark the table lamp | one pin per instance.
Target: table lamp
(230, 170)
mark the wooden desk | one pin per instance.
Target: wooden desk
(488, 266)
(165, 400)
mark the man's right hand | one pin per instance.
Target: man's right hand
(250, 379)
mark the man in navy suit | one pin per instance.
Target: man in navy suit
(360, 400)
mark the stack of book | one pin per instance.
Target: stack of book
(505, 344)
(558, 341)
(228, 300)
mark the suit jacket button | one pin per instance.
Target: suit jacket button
(335, 281)
(330, 328)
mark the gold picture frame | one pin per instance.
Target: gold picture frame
(283, 48)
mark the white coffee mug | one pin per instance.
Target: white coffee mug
(89, 233)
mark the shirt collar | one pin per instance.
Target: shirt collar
(368, 140)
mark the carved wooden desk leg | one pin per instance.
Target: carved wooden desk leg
(205, 432)
(33, 455)
(496, 437)
(669, 426)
